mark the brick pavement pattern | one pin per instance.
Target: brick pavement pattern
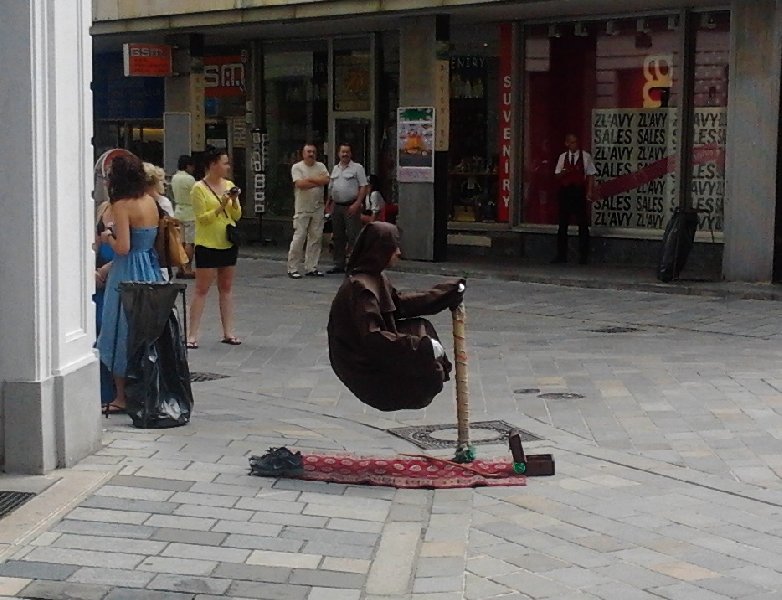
(668, 482)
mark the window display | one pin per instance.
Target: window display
(616, 84)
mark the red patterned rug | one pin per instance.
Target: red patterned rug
(413, 471)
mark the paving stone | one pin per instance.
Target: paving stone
(177, 522)
(346, 565)
(428, 585)
(104, 529)
(188, 536)
(125, 504)
(213, 512)
(63, 590)
(28, 569)
(130, 594)
(219, 554)
(111, 577)
(255, 542)
(336, 537)
(86, 558)
(179, 566)
(268, 591)
(327, 579)
(108, 516)
(284, 559)
(259, 529)
(152, 483)
(134, 493)
(252, 573)
(186, 583)
(106, 544)
(318, 593)
(11, 585)
(326, 548)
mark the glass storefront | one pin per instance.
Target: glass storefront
(617, 85)
(473, 183)
(296, 104)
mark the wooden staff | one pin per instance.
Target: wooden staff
(464, 452)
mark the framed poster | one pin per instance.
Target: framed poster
(352, 81)
(415, 143)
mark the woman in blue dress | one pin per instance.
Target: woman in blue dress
(131, 235)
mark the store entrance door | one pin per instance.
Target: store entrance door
(356, 133)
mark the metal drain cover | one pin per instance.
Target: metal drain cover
(614, 329)
(560, 396)
(197, 377)
(432, 437)
(10, 501)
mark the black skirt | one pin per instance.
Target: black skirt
(211, 258)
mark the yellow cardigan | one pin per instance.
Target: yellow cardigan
(210, 220)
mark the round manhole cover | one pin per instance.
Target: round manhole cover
(526, 391)
(560, 396)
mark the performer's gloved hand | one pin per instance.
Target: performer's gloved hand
(439, 351)
(458, 295)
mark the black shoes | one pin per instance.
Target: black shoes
(315, 273)
(294, 275)
(277, 462)
(335, 270)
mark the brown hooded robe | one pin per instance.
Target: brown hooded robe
(379, 346)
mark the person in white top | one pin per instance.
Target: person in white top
(575, 172)
(181, 185)
(310, 178)
(374, 205)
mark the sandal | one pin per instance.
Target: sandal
(191, 345)
(231, 341)
(113, 409)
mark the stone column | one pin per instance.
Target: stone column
(422, 206)
(753, 131)
(49, 387)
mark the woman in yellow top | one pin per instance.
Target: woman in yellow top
(215, 204)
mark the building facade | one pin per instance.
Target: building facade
(678, 101)
(507, 81)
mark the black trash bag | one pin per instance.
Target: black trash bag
(158, 377)
(678, 240)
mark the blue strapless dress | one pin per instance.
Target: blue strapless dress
(140, 264)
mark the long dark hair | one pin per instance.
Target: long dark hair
(126, 178)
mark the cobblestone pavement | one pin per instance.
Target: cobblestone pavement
(668, 462)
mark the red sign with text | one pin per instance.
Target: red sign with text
(224, 76)
(147, 60)
(506, 113)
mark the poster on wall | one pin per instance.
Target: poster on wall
(636, 155)
(415, 137)
(352, 81)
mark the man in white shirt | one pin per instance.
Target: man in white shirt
(309, 180)
(575, 172)
(181, 185)
(347, 190)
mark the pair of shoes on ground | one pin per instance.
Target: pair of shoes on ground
(313, 273)
(230, 340)
(277, 462)
(335, 270)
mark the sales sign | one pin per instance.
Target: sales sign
(147, 60)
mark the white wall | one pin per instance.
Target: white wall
(48, 370)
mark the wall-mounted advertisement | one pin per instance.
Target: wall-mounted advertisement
(636, 156)
(415, 136)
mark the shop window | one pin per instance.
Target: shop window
(474, 138)
(296, 100)
(712, 50)
(616, 85)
